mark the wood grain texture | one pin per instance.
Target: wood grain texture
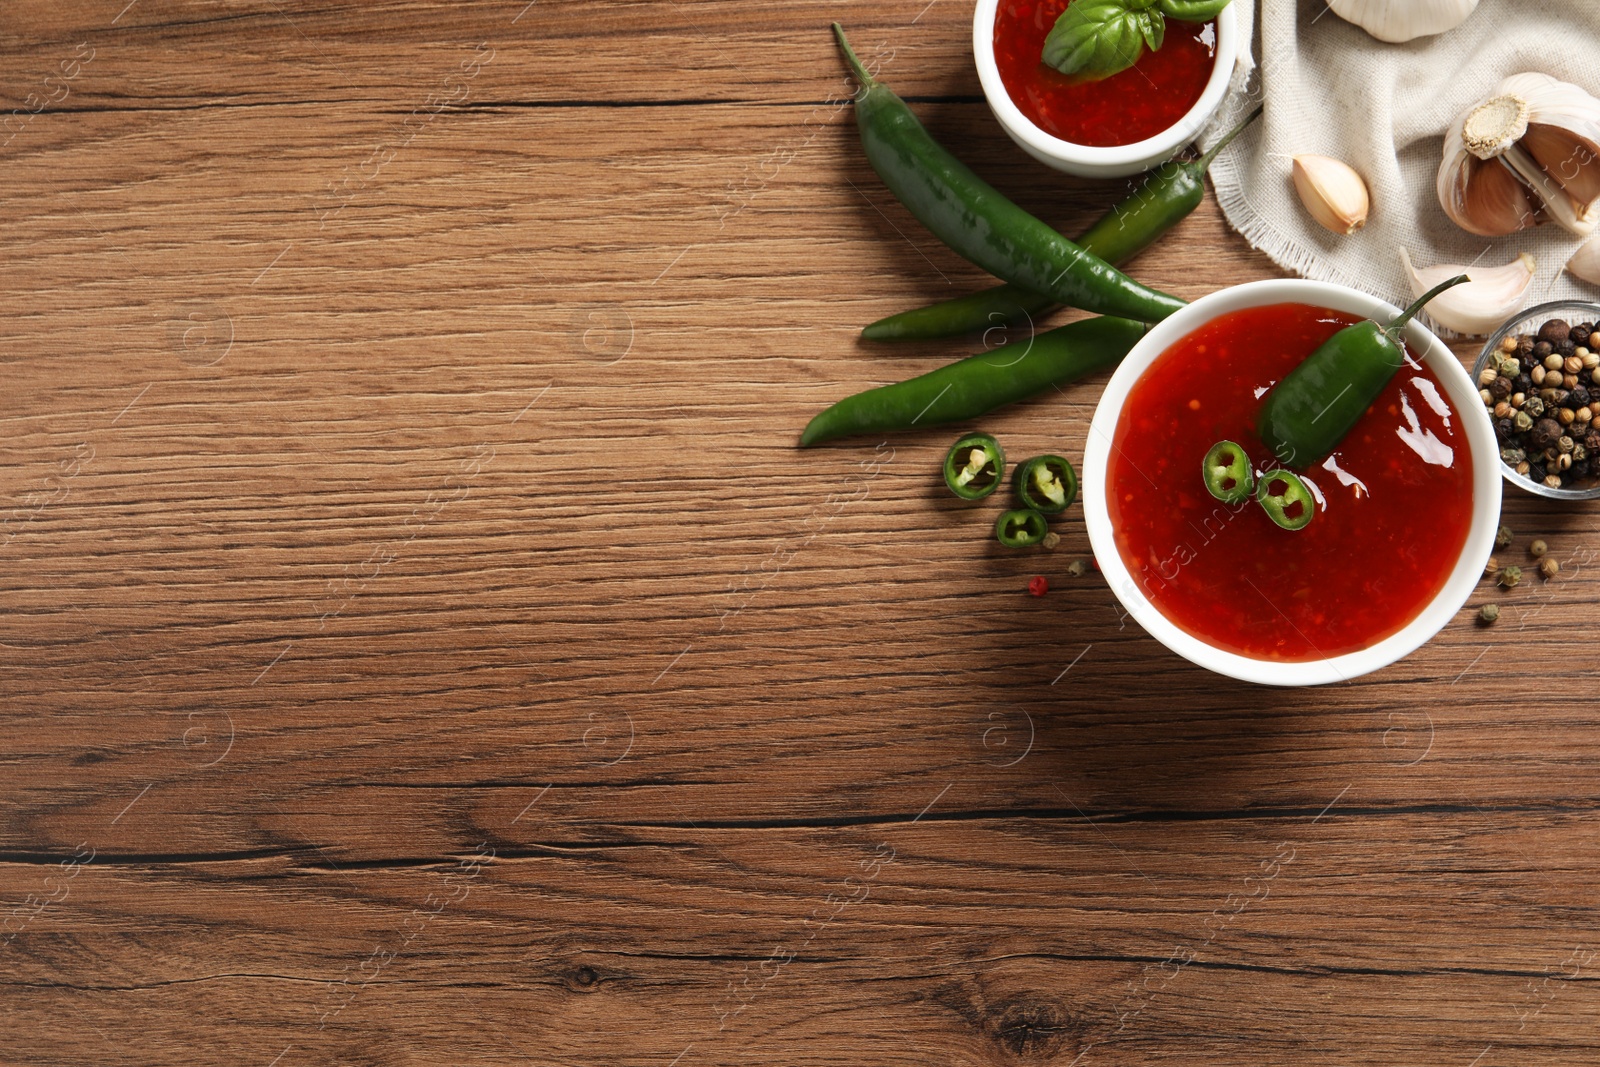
(423, 645)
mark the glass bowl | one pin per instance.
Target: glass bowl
(1529, 320)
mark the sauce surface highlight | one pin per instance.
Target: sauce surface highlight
(1127, 107)
(1394, 500)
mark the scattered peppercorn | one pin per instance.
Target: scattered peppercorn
(1549, 568)
(1509, 577)
(1490, 568)
(1038, 586)
(1077, 568)
(1488, 613)
(1503, 536)
(1051, 540)
(1538, 549)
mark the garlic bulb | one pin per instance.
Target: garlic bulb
(1530, 154)
(1402, 20)
(1333, 192)
(1479, 307)
(1585, 262)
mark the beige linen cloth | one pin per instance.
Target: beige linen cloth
(1331, 89)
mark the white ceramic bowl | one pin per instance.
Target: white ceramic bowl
(1084, 160)
(1475, 425)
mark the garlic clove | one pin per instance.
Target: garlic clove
(1585, 262)
(1559, 207)
(1403, 20)
(1559, 153)
(1485, 198)
(1480, 306)
(1332, 191)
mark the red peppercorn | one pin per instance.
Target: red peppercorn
(1038, 586)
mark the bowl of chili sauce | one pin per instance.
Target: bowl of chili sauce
(1407, 505)
(1112, 127)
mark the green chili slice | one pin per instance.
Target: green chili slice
(1227, 473)
(974, 466)
(1021, 528)
(1286, 499)
(1047, 484)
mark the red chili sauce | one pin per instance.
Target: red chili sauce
(1130, 106)
(1394, 499)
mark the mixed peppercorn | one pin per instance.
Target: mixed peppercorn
(1543, 393)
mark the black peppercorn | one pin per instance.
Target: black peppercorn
(1545, 433)
(1570, 399)
(1503, 429)
(1524, 347)
(1501, 388)
(1536, 471)
(1580, 468)
(1579, 335)
(1523, 383)
(1591, 441)
(1565, 348)
(1542, 349)
(1554, 330)
(1579, 398)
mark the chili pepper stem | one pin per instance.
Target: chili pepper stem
(862, 74)
(1204, 162)
(1421, 302)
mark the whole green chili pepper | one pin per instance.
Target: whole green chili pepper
(1286, 500)
(975, 466)
(1020, 528)
(1047, 484)
(1307, 414)
(1164, 199)
(974, 219)
(1227, 474)
(978, 384)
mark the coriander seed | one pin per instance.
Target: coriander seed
(1538, 549)
(1549, 568)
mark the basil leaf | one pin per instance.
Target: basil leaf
(1193, 10)
(1154, 30)
(1099, 38)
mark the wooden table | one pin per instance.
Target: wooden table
(423, 643)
